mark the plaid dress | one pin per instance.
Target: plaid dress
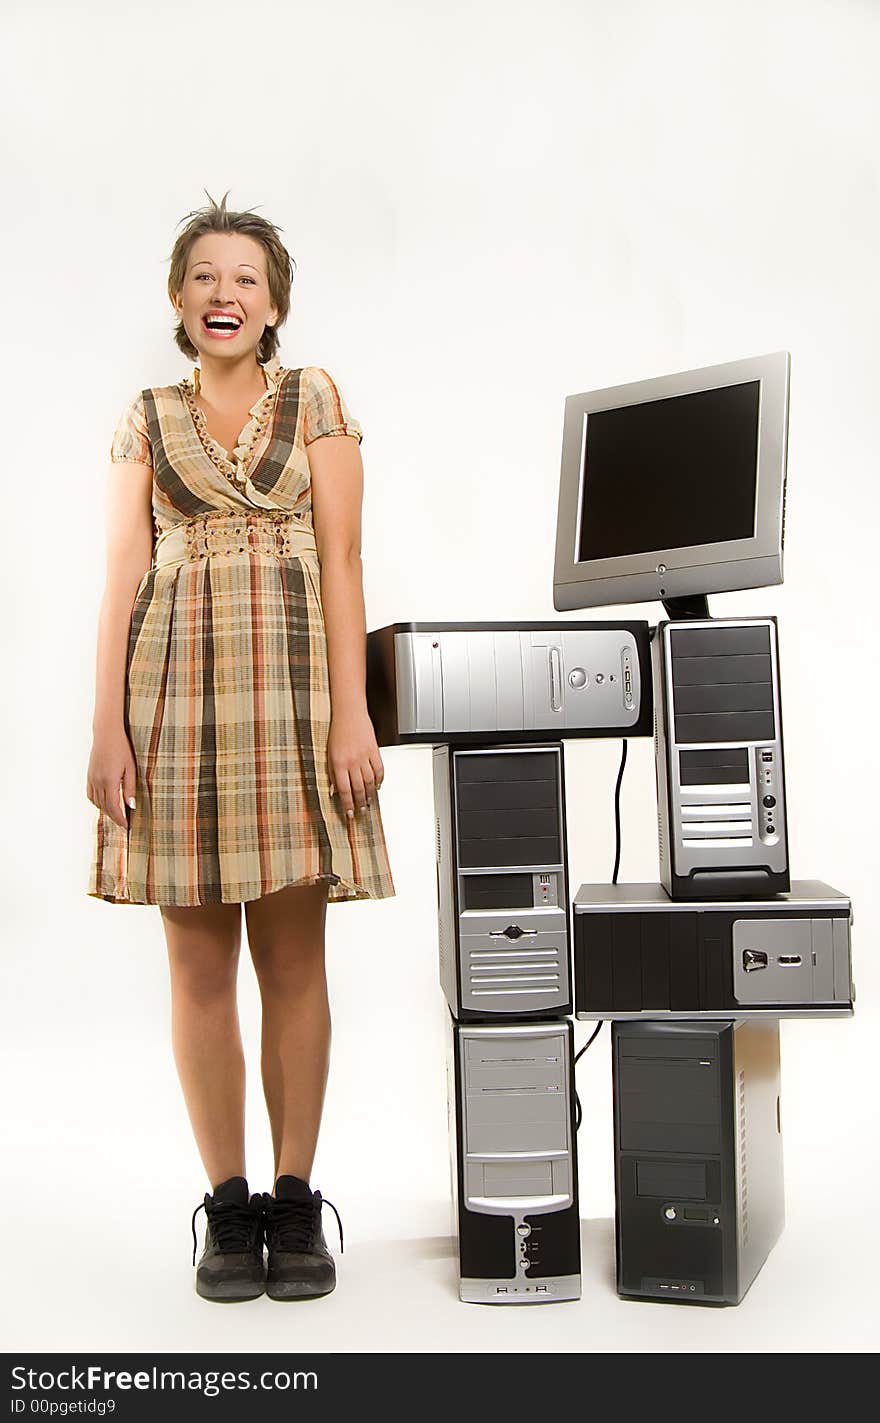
(227, 700)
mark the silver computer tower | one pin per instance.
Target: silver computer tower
(514, 1163)
(502, 883)
(516, 681)
(720, 773)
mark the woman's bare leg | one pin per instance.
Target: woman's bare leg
(286, 938)
(203, 952)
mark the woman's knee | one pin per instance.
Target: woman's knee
(204, 943)
(286, 935)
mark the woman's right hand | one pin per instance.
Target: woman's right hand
(112, 775)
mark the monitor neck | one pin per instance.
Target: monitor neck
(695, 605)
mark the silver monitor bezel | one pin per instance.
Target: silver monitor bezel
(753, 562)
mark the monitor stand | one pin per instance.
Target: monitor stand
(694, 605)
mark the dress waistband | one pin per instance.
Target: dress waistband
(250, 531)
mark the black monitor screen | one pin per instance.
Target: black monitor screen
(670, 473)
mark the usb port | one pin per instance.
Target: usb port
(766, 755)
(789, 959)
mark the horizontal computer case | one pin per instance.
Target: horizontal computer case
(718, 744)
(638, 953)
(514, 1162)
(519, 681)
(697, 1157)
(502, 880)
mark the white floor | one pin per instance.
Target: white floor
(99, 1173)
(113, 1273)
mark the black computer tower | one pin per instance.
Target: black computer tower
(639, 953)
(697, 1157)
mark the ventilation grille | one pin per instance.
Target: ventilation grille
(743, 1162)
(442, 954)
(514, 972)
(661, 791)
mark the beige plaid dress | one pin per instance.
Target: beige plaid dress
(227, 700)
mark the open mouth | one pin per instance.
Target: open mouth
(221, 325)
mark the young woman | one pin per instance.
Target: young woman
(234, 761)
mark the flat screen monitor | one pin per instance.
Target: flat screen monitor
(674, 487)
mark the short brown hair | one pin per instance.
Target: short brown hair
(279, 264)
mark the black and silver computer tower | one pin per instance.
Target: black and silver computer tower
(502, 882)
(697, 1157)
(638, 953)
(513, 1160)
(720, 774)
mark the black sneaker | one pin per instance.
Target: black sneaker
(300, 1265)
(231, 1267)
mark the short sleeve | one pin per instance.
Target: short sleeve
(131, 440)
(326, 412)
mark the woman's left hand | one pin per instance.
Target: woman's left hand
(356, 769)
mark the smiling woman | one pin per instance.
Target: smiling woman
(240, 766)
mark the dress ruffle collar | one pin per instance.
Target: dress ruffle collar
(260, 413)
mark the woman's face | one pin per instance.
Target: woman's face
(226, 273)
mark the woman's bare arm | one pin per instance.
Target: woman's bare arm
(337, 479)
(129, 552)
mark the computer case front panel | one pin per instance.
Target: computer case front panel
(469, 683)
(698, 1157)
(502, 881)
(514, 1162)
(638, 953)
(718, 747)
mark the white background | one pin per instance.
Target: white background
(491, 206)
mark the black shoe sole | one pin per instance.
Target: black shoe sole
(297, 1290)
(229, 1291)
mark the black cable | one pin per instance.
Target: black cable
(590, 1040)
(617, 812)
(579, 1115)
(595, 1033)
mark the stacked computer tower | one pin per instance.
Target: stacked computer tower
(695, 972)
(670, 489)
(483, 696)
(505, 955)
